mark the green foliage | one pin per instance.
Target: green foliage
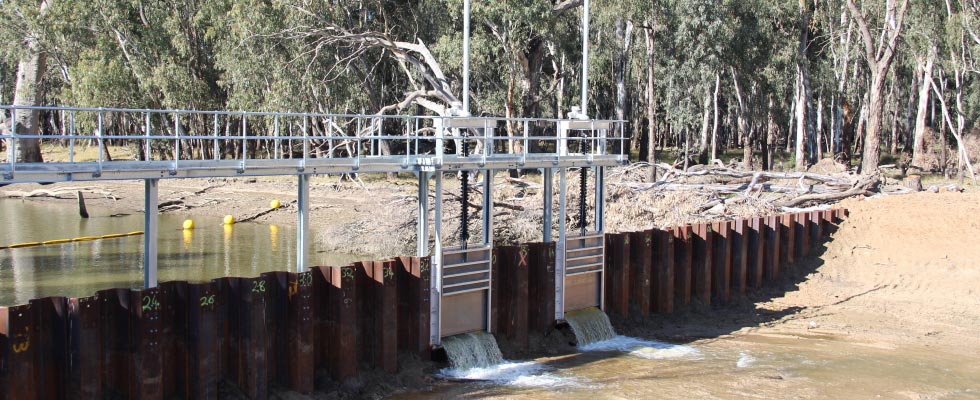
(300, 55)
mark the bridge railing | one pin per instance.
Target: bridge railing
(144, 139)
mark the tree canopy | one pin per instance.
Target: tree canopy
(840, 77)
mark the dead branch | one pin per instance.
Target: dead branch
(60, 193)
(863, 187)
(479, 207)
(727, 172)
(264, 212)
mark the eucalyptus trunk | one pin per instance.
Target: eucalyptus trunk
(27, 92)
(651, 109)
(918, 141)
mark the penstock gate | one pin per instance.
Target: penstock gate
(174, 144)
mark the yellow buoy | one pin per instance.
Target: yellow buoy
(229, 220)
(275, 204)
(188, 224)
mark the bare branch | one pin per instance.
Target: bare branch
(869, 51)
(565, 6)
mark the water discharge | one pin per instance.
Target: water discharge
(472, 350)
(649, 349)
(590, 325)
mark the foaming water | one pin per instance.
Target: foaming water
(649, 349)
(517, 374)
(590, 325)
(475, 356)
(745, 360)
(472, 350)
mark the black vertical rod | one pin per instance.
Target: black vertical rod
(464, 234)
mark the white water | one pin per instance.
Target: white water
(744, 360)
(517, 374)
(475, 356)
(649, 349)
(472, 350)
(590, 325)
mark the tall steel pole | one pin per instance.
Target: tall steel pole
(466, 56)
(585, 57)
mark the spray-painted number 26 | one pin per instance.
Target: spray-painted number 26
(207, 300)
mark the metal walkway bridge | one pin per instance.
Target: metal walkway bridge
(199, 144)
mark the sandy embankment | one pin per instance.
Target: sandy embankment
(901, 270)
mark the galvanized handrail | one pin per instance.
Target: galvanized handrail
(169, 134)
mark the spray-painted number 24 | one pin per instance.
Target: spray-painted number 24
(150, 303)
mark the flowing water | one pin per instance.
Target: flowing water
(732, 367)
(76, 269)
(472, 350)
(475, 357)
(590, 326)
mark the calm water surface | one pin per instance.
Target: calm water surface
(81, 268)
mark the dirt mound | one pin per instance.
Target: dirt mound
(900, 270)
(827, 166)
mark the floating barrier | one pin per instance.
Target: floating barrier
(181, 339)
(78, 239)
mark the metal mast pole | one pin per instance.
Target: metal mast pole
(466, 56)
(585, 57)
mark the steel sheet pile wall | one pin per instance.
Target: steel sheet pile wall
(510, 292)
(617, 274)
(181, 339)
(541, 287)
(712, 262)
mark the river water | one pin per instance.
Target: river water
(736, 366)
(77, 269)
(762, 366)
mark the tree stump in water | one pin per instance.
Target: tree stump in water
(913, 182)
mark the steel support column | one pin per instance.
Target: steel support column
(423, 215)
(600, 198)
(303, 223)
(548, 175)
(560, 247)
(151, 201)
(488, 206)
(435, 317)
(488, 237)
(600, 204)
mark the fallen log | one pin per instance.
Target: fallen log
(731, 173)
(862, 187)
